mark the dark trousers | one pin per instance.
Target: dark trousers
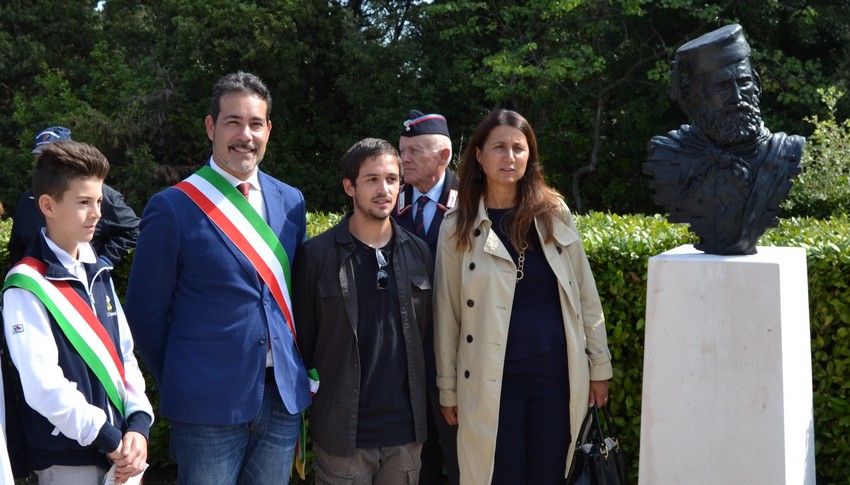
(534, 430)
(439, 448)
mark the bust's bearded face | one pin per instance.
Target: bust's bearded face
(724, 104)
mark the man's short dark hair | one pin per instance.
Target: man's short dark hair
(62, 161)
(364, 150)
(239, 82)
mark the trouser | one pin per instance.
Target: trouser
(257, 452)
(71, 475)
(534, 430)
(390, 465)
(440, 448)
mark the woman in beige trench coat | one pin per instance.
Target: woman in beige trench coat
(519, 332)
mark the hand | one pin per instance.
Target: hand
(598, 394)
(133, 456)
(116, 455)
(450, 413)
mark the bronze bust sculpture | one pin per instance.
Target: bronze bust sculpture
(725, 174)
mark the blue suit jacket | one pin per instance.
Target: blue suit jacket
(200, 316)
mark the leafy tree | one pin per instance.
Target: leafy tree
(823, 189)
(593, 76)
(36, 38)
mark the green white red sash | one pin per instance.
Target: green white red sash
(78, 322)
(228, 209)
(231, 212)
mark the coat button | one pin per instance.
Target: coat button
(477, 233)
(470, 303)
(471, 266)
(466, 374)
(263, 341)
(559, 249)
(469, 338)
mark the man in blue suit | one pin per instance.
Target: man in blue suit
(208, 302)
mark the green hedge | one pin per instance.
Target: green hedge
(619, 248)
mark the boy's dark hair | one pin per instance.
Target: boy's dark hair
(239, 82)
(62, 161)
(363, 150)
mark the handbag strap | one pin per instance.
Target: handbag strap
(609, 422)
(592, 426)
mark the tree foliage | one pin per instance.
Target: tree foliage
(134, 76)
(824, 186)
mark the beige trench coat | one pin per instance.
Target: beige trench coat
(473, 292)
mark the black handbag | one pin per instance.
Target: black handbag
(598, 458)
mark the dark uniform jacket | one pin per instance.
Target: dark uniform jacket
(326, 309)
(403, 214)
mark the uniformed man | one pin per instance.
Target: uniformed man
(430, 189)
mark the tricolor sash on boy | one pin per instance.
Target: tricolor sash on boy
(231, 212)
(78, 322)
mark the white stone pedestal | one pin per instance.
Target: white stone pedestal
(727, 375)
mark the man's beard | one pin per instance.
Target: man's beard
(731, 125)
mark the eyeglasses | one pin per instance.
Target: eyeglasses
(383, 278)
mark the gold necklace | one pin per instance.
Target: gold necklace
(520, 273)
(521, 263)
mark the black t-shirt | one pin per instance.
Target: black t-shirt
(385, 415)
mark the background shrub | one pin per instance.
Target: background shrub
(619, 248)
(823, 188)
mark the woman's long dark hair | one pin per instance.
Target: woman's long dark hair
(534, 197)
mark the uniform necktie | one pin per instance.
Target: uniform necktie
(245, 188)
(419, 218)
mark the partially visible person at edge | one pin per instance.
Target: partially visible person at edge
(520, 337)
(116, 232)
(208, 302)
(85, 404)
(362, 298)
(429, 190)
(5, 463)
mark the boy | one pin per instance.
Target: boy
(67, 335)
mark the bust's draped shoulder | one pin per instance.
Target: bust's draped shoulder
(729, 198)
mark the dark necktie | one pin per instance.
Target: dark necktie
(245, 188)
(419, 218)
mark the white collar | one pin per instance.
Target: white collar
(253, 179)
(84, 251)
(434, 193)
